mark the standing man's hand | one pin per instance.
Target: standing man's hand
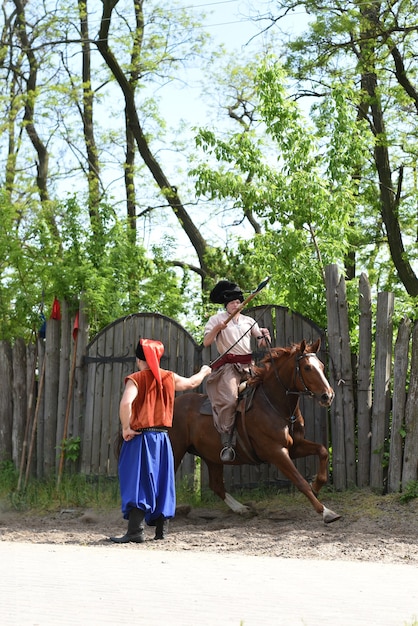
(128, 433)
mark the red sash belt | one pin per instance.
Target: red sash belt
(244, 359)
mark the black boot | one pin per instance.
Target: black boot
(227, 452)
(135, 532)
(161, 527)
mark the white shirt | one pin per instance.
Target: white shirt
(234, 332)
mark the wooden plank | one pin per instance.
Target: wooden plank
(400, 372)
(105, 423)
(347, 385)
(115, 394)
(19, 399)
(6, 400)
(49, 417)
(364, 383)
(337, 407)
(99, 406)
(87, 431)
(31, 375)
(38, 434)
(63, 381)
(381, 392)
(80, 375)
(410, 460)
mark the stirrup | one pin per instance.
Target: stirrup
(227, 454)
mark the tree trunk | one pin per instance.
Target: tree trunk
(389, 200)
(93, 176)
(168, 190)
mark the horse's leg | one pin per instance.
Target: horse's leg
(283, 462)
(302, 448)
(217, 485)
(179, 446)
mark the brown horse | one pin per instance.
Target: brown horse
(270, 429)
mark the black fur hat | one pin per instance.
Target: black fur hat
(225, 291)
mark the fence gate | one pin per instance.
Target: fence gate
(110, 356)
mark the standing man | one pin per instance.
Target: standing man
(146, 463)
(234, 339)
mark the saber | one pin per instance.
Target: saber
(248, 298)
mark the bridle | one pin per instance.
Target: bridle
(297, 374)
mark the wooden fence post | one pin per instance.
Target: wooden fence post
(31, 363)
(78, 412)
(52, 356)
(6, 401)
(341, 378)
(20, 399)
(410, 460)
(364, 382)
(381, 391)
(63, 381)
(339, 478)
(347, 385)
(400, 369)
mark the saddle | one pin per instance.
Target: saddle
(245, 397)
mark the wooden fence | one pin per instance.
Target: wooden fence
(374, 417)
(78, 386)
(66, 388)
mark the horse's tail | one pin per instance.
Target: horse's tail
(117, 444)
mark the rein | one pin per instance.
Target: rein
(292, 419)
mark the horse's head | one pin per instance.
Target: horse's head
(298, 370)
(309, 373)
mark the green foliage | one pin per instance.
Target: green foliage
(347, 44)
(299, 181)
(71, 448)
(8, 477)
(42, 258)
(410, 492)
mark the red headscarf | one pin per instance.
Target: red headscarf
(153, 351)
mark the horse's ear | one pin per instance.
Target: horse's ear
(315, 346)
(302, 346)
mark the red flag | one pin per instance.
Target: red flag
(56, 310)
(76, 326)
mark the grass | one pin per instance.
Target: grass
(78, 491)
(74, 491)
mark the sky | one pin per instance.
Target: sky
(232, 24)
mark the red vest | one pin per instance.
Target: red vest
(152, 406)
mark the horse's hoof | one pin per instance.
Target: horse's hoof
(329, 516)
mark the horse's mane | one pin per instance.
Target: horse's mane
(259, 372)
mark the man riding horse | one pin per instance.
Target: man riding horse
(232, 332)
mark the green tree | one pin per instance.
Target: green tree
(297, 181)
(372, 46)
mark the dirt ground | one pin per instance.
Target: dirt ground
(372, 528)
